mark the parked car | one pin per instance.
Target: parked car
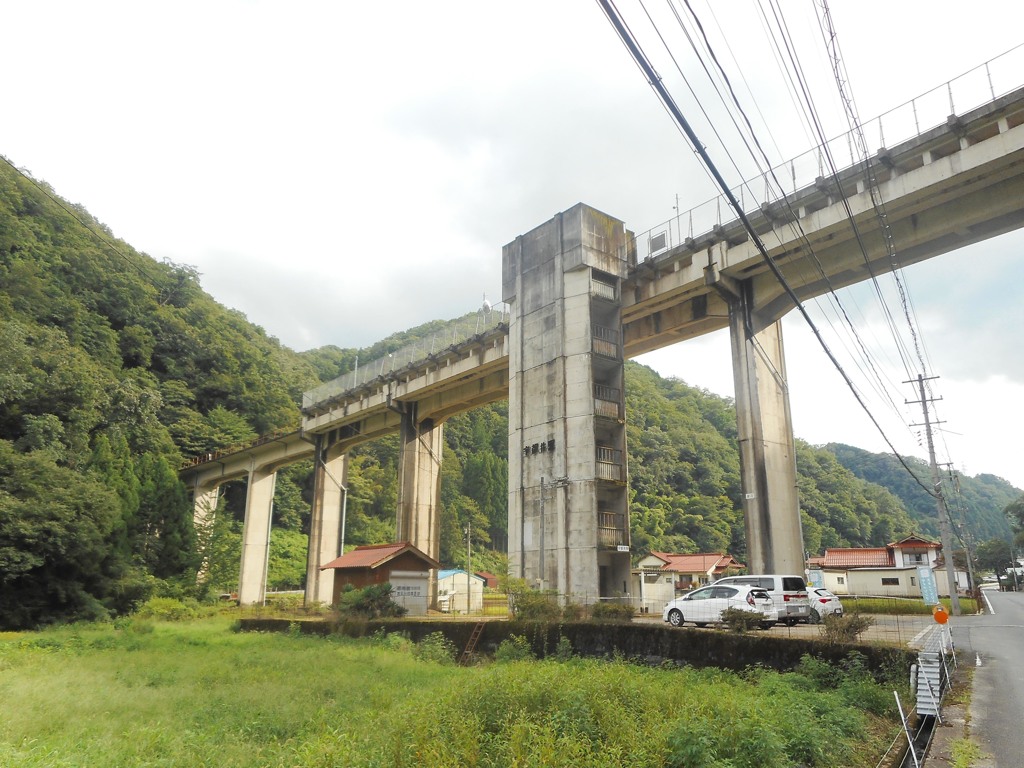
(705, 605)
(788, 591)
(823, 603)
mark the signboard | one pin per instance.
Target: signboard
(623, 548)
(929, 590)
(816, 578)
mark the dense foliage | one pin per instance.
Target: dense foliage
(978, 501)
(112, 368)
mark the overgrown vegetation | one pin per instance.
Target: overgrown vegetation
(194, 693)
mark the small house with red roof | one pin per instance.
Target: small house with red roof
(890, 571)
(403, 565)
(659, 576)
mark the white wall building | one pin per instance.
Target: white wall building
(459, 592)
(889, 571)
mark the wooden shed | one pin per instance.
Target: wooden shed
(401, 564)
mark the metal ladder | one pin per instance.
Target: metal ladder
(471, 645)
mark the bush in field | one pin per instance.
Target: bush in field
(435, 648)
(563, 651)
(514, 648)
(168, 609)
(846, 628)
(738, 620)
(373, 602)
(611, 612)
(529, 604)
(392, 641)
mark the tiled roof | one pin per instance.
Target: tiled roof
(697, 563)
(375, 555)
(913, 540)
(868, 557)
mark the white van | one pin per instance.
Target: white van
(788, 592)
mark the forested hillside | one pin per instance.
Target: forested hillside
(114, 368)
(979, 501)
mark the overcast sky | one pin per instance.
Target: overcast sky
(341, 171)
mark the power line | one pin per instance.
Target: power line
(642, 61)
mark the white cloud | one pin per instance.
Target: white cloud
(341, 171)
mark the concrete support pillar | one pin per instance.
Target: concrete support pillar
(204, 505)
(204, 508)
(419, 483)
(330, 484)
(767, 451)
(259, 501)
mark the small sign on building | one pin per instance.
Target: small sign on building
(929, 589)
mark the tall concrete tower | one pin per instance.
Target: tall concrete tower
(568, 513)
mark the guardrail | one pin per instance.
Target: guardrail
(974, 88)
(452, 334)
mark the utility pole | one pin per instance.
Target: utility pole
(945, 532)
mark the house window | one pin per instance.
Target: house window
(889, 581)
(913, 581)
(840, 579)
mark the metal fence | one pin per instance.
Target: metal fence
(972, 89)
(453, 333)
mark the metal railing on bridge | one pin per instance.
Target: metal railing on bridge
(976, 87)
(452, 334)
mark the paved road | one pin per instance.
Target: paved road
(995, 643)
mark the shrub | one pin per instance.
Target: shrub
(563, 651)
(531, 604)
(168, 609)
(537, 606)
(436, 648)
(392, 641)
(738, 620)
(573, 612)
(823, 674)
(611, 612)
(373, 602)
(844, 629)
(514, 648)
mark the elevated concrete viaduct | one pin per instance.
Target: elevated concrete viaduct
(584, 295)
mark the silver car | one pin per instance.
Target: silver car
(706, 605)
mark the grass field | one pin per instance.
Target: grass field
(902, 606)
(199, 694)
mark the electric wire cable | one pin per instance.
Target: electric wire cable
(656, 83)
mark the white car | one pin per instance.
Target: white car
(823, 603)
(705, 605)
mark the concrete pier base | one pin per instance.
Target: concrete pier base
(259, 501)
(330, 483)
(767, 451)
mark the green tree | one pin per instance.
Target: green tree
(57, 558)
(162, 534)
(993, 555)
